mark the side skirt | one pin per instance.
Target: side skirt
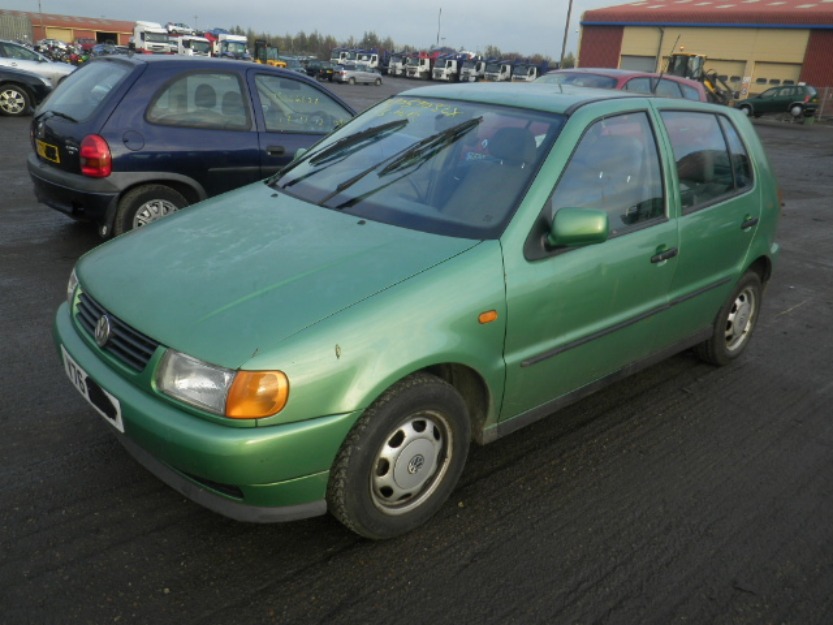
(544, 410)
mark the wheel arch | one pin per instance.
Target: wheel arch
(472, 388)
(191, 190)
(763, 267)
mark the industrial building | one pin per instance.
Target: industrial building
(32, 27)
(751, 44)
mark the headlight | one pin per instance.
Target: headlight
(234, 394)
(72, 284)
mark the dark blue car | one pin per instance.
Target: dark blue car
(127, 140)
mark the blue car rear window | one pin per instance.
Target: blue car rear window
(83, 91)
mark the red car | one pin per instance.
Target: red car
(85, 44)
(628, 80)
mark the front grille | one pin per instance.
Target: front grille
(132, 348)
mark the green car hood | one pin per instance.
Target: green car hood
(237, 274)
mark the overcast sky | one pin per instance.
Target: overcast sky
(528, 27)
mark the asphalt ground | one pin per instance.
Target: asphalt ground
(686, 494)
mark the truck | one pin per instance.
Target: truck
(193, 45)
(227, 45)
(339, 56)
(473, 70)
(372, 59)
(152, 38)
(396, 64)
(527, 71)
(421, 66)
(448, 67)
(498, 71)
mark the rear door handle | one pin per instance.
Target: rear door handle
(275, 150)
(749, 222)
(664, 255)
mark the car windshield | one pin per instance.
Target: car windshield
(83, 90)
(441, 166)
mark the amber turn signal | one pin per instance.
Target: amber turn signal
(488, 316)
(257, 394)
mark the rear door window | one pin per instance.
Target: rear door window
(711, 160)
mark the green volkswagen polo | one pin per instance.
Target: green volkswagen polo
(455, 263)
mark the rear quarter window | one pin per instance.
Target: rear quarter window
(84, 91)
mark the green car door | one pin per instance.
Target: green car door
(582, 313)
(719, 207)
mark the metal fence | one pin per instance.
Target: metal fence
(15, 27)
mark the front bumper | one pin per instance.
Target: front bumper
(256, 474)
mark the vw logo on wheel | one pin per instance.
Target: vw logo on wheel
(416, 464)
(102, 330)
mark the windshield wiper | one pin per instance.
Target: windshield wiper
(341, 149)
(428, 146)
(345, 143)
(417, 153)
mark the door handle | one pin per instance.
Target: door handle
(749, 222)
(664, 255)
(275, 150)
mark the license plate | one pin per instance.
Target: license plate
(105, 404)
(48, 151)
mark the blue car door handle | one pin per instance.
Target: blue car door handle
(275, 150)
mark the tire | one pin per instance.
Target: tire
(796, 110)
(735, 323)
(745, 109)
(144, 205)
(401, 460)
(351, 81)
(377, 82)
(14, 101)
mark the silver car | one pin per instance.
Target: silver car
(353, 74)
(19, 56)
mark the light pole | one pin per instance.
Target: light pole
(566, 31)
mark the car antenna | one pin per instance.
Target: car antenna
(662, 68)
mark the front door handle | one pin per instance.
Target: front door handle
(275, 150)
(664, 255)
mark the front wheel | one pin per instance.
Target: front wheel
(745, 109)
(796, 110)
(401, 460)
(377, 82)
(351, 81)
(144, 205)
(735, 323)
(14, 101)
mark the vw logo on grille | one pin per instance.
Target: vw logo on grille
(102, 330)
(416, 464)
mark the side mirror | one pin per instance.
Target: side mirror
(575, 227)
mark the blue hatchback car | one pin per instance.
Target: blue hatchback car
(127, 140)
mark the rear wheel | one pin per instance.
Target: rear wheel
(735, 323)
(14, 101)
(144, 205)
(402, 459)
(377, 82)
